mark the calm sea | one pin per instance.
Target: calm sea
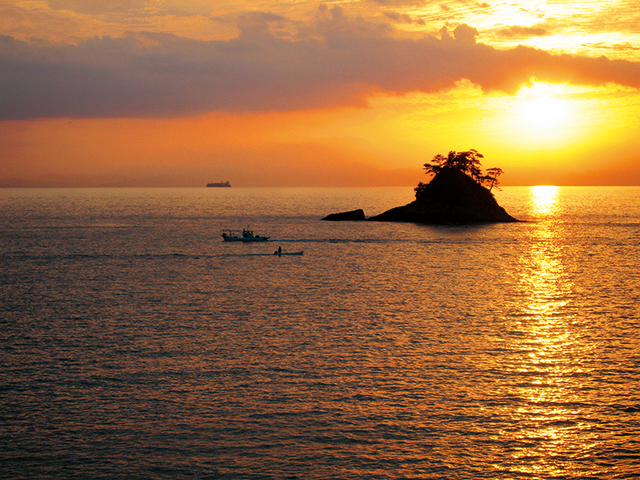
(135, 343)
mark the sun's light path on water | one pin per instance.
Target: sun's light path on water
(544, 350)
(544, 199)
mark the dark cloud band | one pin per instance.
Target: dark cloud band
(338, 62)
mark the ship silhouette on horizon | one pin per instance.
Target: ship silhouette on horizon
(219, 184)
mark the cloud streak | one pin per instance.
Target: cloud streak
(520, 31)
(334, 61)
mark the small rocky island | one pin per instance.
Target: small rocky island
(459, 193)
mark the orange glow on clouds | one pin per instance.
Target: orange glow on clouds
(364, 93)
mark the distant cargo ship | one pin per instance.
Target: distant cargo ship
(219, 184)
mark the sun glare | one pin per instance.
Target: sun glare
(542, 107)
(544, 110)
(541, 116)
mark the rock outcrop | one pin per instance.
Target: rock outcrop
(342, 216)
(450, 198)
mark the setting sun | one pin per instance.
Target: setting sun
(543, 110)
(541, 107)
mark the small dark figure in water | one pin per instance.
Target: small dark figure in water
(279, 251)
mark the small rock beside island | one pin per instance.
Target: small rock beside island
(346, 216)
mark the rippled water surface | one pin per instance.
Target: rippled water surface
(135, 343)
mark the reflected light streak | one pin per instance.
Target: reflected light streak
(544, 199)
(546, 352)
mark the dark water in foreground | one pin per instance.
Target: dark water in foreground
(136, 344)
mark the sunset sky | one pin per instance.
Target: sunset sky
(298, 93)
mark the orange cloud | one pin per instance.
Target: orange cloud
(520, 31)
(334, 61)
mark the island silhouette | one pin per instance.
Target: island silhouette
(459, 193)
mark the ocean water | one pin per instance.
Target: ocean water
(135, 343)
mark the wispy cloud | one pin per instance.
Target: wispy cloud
(134, 7)
(403, 18)
(518, 31)
(617, 47)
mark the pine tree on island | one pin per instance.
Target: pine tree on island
(465, 162)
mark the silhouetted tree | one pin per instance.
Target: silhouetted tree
(491, 178)
(438, 163)
(419, 189)
(466, 162)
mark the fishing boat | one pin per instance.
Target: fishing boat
(219, 184)
(245, 236)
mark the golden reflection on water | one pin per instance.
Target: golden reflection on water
(544, 199)
(543, 275)
(545, 352)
